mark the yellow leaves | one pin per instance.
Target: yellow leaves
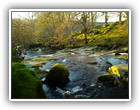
(114, 70)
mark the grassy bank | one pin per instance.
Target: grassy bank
(112, 36)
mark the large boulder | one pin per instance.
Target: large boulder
(117, 74)
(25, 83)
(121, 70)
(57, 76)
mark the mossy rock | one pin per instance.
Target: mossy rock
(123, 56)
(40, 59)
(121, 70)
(36, 62)
(117, 74)
(57, 76)
(25, 83)
(114, 70)
(112, 79)
(37, 59)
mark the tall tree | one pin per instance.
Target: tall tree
(106, 17)
(85, 25)
(120, 16)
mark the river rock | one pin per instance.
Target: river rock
(57, 76)
(92, 63)
(114, 70)
(117, 52)
(81, 96)
(112, 79)
(25, 83)
(117, 74)
(123, 70)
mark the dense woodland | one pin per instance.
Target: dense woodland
(64, 29)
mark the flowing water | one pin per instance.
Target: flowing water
(84, 64)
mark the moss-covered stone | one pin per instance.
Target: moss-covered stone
(117, 74)
(114, 70)
(109, 78)
(121, 70)
(123, 56)
(25, 83)
(57, 75)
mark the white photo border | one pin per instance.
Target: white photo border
(66, 10)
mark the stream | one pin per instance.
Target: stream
(84, 65)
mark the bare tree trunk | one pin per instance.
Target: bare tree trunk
(120, 17)
(106, 18)
(84, 22)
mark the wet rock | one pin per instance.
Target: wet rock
(83, 85)
(81, 96)
(107, 65)
(123, 50)
(123, 56)
(57, 76)
(109, 78)
(67, 93)
(117, 75)
(92, 63)
(117, 52)
(116, 61)
(77, 89)
(123, 70)
(72, 53)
